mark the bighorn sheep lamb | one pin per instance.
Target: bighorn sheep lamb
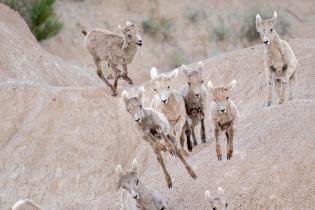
(104, 45)
(172, 105)
(219, 202)
(224, 114)
(154, 126)
(137, 195)
(280, 61)
(196, 96)
(26, 204)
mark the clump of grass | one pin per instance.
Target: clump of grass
(221, 33)
(157, 27)
(194, 14)
(39, 15)
(178, 57)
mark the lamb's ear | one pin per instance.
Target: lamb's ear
(220, 191)
(173, 73)
(125, 96)
(200, 66)
(119, 170)
(231, 85)
(153, 73)
(210, 85)
(274, 18)
(258, 21)
(185, 70)
(207, 194)
(134, 165)
(129, 23)
(141, 92)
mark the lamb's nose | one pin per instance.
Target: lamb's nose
(164, 101)
(135, 197)
(197, 95)
(266, 42)
(137, 120)
(222, 109)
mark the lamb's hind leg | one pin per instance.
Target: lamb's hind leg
(217, 139)
(202, 131)
(180, 155)
(116, 72)
(125, 74)
(161, 162)
(292, 85)
(98, 64)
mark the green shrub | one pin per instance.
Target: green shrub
(158, 27)
(194, 14)
(39, 15)
(221, 33)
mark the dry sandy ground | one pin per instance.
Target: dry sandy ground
(62, 134)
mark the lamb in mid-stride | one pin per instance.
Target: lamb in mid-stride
(137, 195)
(26, 204)
(154, 126)
(219, 202)
(280, 61)
(224, 114)
(104, 45)
(172, 105)
(196, 96)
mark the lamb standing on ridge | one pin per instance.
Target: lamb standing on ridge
(117, 50)
(217, 203)
(280, 61)
(26, 204)
(172, 105)
(224, 114)
(137, 195)
(196, 96)
(154, 126)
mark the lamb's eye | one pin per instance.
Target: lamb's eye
(227, 98)
(201, 82)
(168, 87)
(140, 106)
(129, 36)
(137, 181)
(155, 90)
(271, 30)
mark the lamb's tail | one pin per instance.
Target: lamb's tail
(84, 33)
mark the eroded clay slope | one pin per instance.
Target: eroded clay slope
(62, 134)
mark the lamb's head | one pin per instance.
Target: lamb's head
(220, 95)
(129, 180)
(134, 105)
(266, 28)
(217, 203)
(194, 78)
(162, 84)
(131, 33)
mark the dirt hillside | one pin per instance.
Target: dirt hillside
(63, 134)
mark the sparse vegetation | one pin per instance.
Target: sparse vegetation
(157, 27)
(39, 15)
(221, 33)
(194, 14)
(178, 57)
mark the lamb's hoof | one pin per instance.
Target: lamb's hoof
(195, 143)
(269, 103)
(219, 157)
(281, 102)
(193, 175)
(130, 82)
(190, 149)
(170, 185)
(203, 141)
(229, 157)
(114, 94)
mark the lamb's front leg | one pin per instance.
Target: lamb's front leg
(155, 144)
(125, 74)
(161, 162)
(217, 140)
(269, 84)
(179, 130)
(284, 84)
(202, 130)
(179, 154)
(230, 134)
